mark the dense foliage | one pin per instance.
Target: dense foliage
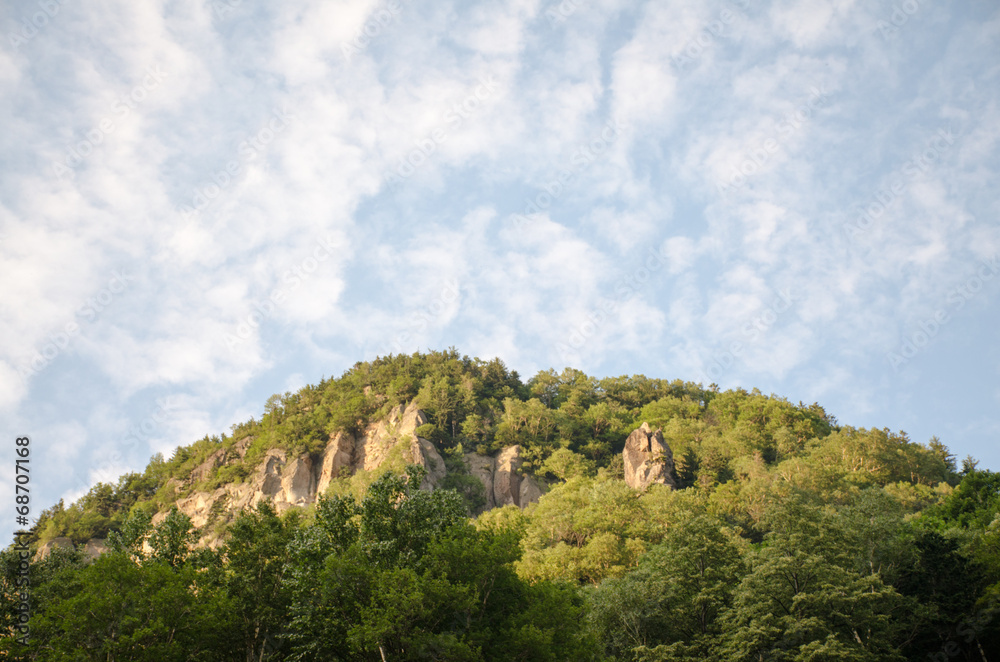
(790, 537)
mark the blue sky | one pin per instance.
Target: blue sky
(204, 203)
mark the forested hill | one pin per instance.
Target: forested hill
(378, 516)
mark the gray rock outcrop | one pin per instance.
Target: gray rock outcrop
(396, 436)
(94, 548)
(46, 549)
(483, 467)
(289, 482)
(503, 480)
(292, 482)
(91, 549)
(338, 457)
(648, 459)
(506, 477)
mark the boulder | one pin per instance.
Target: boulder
(648, 459)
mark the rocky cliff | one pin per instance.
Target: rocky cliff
(297, 481)
(289, 482)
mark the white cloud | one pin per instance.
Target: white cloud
(693, 106)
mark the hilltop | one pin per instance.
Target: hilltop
(476, 427)
(436, 506)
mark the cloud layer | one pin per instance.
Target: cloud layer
(203, 203)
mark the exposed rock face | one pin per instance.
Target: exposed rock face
(91, 549)
(298, 484)
(339, 455)
(648, 459)
(483, 467)
(431, 460)
(204, 470)
(198, 507)
(289, 482)
(396, 434)
(241, 446)
(530, 491)
(47, 548)
(508, 485)
(506, 480)
(94, 548)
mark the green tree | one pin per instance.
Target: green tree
(668, 608)
(253, 576)
(115, 609)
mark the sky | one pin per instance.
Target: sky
(205, 202)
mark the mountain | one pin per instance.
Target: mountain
(436, 506)
(476, 427)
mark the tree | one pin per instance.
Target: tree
(801, 601)
(669, 606)
(115, 609)
(172, 538)
(254, 578)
